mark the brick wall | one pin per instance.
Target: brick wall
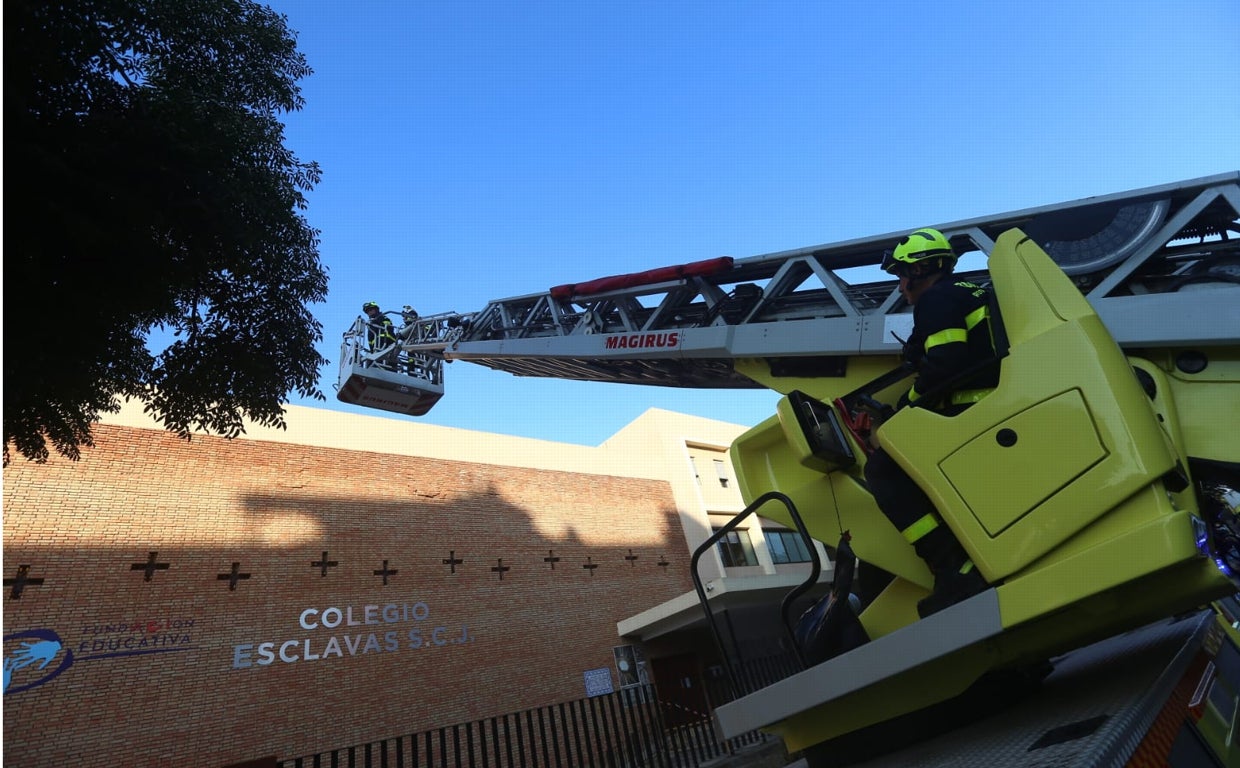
(181, 670)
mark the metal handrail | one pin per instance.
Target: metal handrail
(786, 604)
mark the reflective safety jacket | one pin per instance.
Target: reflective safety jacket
(380, 333)
(951, 333)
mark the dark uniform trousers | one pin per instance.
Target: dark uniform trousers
(900, 499)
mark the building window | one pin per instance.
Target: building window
(786, 546)
(722, 473)
(736, 549)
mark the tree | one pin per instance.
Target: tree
(154, 191)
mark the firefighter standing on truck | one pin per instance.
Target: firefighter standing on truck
(951, 334)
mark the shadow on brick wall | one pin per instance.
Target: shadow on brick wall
(213, 601)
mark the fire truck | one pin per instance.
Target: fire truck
(1096, 487)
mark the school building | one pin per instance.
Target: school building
(212, 602)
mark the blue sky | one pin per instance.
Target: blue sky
(478, 150)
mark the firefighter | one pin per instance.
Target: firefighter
(951, 335)
(380, 332)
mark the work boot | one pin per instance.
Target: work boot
(955, 576)
(951, 589)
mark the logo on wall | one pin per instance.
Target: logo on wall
(38, 656)
(35, 650)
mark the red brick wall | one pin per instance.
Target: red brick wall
(157, 674)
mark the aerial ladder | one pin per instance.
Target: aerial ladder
(1096, 488)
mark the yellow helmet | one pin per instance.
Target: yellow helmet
(921, 247)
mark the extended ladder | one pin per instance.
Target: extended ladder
(1161, 265)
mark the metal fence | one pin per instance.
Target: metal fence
(750, 674)
(625, 729)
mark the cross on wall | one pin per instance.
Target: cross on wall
(384, 572)
(452, 560)
(551, 559)
(149, 567)
(233, 576)
(20, 581)
(500, 568)
(323, 564)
